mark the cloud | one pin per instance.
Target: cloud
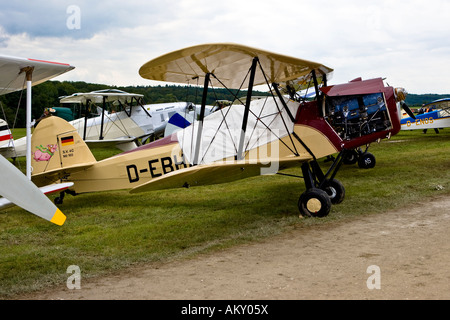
(34, 18)
(404, 41)
(50, 18)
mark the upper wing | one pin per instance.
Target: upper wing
(18, 189)
(12, 77)
(229, 62)
(439, 104)
(109, 95)
(216, 173)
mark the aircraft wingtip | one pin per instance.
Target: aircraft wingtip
(58, 218)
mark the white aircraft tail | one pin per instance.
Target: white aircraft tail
(7, 147)
(5, 133)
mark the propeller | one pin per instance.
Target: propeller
(16, 187)
(407, 110)
(400, 95)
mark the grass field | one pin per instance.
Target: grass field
(109, 231)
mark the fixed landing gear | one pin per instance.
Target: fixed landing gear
(59, 200)
(335, 190)
(314, 203)
(365, 160)
(322, 190)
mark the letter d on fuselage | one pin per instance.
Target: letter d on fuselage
(132, 168)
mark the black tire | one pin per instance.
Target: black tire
(335, 191)
(58, 200)
(351, 157)
(314, 203)
(366, 161)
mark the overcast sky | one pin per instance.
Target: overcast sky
(406, 42)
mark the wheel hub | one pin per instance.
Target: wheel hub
(313, 205)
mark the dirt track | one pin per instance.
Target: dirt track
(411, 247)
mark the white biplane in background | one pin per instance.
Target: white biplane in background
(16, 187)
(113, 117)
(124, 115)
(260, 136)
(434, 115)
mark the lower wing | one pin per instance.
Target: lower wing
(216, 173)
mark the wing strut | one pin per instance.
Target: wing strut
(240, 154)
(103, 117)
(85, 117)
(277, 91)
(202, 116)
(316, 86)
(29, 77)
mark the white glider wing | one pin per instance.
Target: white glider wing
(25, 194)
(12, 72)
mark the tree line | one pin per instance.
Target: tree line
(48, 94)
(417, 100)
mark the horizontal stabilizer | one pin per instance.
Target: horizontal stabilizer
(47, 177)
(47, 190)
(57, 187)
(124, 144)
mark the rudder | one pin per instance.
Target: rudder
(57, 145)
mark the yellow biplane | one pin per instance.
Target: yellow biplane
(248, 138)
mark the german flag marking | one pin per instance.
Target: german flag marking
(67, 141)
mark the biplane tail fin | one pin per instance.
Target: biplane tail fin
(5, 132)
(6, 140)
(57, 146)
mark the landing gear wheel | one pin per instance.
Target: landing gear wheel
(366, 161)
(351, 157)
(335, 191)
(59, 200)
(314, 203)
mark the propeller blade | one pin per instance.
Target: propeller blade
(16, 187)
(408, 111)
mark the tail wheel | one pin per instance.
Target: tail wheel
(366, 161)
(335, 191)
(314, 203)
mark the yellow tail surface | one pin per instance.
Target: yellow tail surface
(57, 146)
